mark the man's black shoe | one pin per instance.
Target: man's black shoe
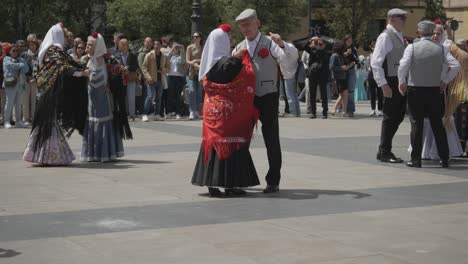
(271, 189)
(313, 116)
(389, 157)
(324, 116)
(444, 163)
(414, 164)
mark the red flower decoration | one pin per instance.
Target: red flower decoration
(437, 21)
(95, 34)
(6, 48)
(125, 79)
(225, 27)
(117, 69)
(107, 56)
(264, 52)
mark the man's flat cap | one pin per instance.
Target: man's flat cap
(247, 14)
(426, 27)
(396, 12)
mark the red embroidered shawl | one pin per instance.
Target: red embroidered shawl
(229, 114)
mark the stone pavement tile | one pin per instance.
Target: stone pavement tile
(49, 251)
(157, 246)
(295, 249)
(48, 206)
(405, 238)
(330, 128)
(19, 193)
(267, 243)
(449, 221)
(325, 173)
(13, 139)
(374, 259)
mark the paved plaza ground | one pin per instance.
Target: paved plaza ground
(337, 204)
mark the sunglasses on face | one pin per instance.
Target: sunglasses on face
(80, 47)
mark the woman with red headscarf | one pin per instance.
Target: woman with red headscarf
(229, 117)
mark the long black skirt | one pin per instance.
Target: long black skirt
(237, 171)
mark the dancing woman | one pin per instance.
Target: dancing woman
(61, 104)
(229, 117)
(107, 120)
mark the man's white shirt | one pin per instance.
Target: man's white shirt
(382, 47)
(287, 57)
(450, 67)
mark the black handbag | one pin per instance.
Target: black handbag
(10, 81)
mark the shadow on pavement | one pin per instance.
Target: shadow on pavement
(118, 164)
(8, 253)
(295, 194)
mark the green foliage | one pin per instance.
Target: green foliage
(140, 18)
(22, 17)
(280, 16)
(353, 16)
(434, 10)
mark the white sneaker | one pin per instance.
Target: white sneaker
(178, 117)
(191, 116)
(379, 113)
(372, 113)
(144, 118)
(20, 125)
(158, 118)
(7, 125)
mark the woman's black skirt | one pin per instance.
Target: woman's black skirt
(236, 171)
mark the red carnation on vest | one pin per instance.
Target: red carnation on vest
(263, 53)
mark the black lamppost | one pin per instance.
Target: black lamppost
(196, 16)
(309, 11)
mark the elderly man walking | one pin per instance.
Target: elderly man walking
(266, 52)
(426, 66)
(385, 60)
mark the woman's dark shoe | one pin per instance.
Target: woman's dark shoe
(234, 192)
(214, 192)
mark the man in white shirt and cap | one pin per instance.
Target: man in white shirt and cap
(385, 61)
(266, 52)
(424, 72)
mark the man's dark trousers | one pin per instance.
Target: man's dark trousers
(394, 110)
(267, 106)
(425, 102)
